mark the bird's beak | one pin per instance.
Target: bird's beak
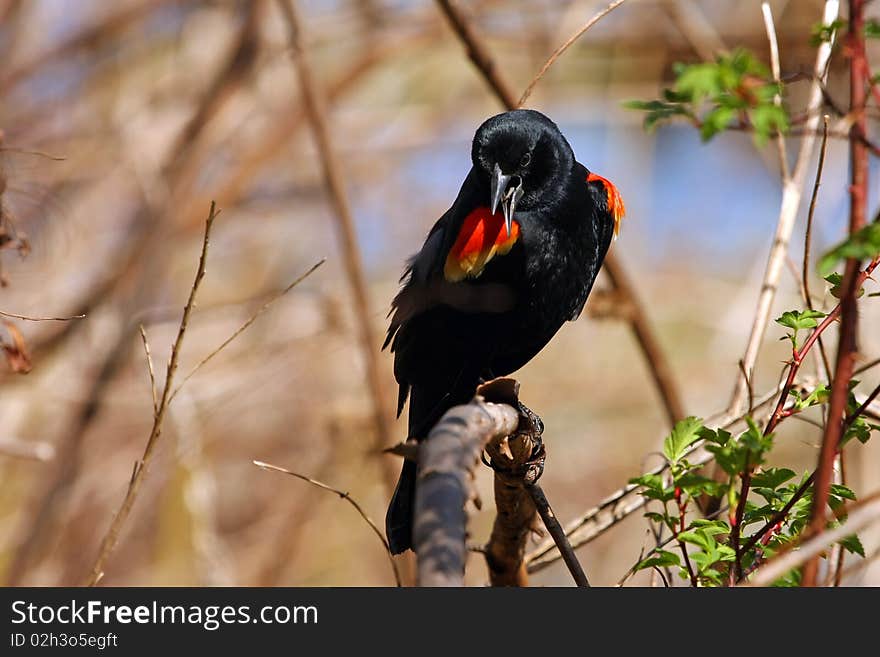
(505, 197)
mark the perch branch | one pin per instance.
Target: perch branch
(518, 462)
(447, 461)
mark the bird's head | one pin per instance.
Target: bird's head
(523, 160)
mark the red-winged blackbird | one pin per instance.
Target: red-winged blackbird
(489, 289)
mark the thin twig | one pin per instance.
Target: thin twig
(780, 515)
(314, 104)
(241, 329)
(867, 366)
(348, 498)
(150, 369)
(561, 49)
(808, 236)
(112, 536)
(861, 409)
(41, 319)
(558, 535)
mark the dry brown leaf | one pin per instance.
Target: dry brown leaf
(16, 353)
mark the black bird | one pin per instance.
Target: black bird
(489, 289)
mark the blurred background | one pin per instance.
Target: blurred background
(121, 121)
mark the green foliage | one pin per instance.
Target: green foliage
(872, 28)
(660, 559)
(862, 245)
(734, 90)
(746, 452)
(798, 320)
(853, 545)
(709, 542)
(824, 32)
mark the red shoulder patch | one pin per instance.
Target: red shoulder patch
(615, 200)
(482, 237)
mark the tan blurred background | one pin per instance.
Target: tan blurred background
(159, 106)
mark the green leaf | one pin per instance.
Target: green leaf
(823, 33)
(718, 436)
(772, 478)
(853, 545)
(768, 119)
(800, 319)
(654, 488)
(660, 559)
(716, 121)
(656, 517)
(712, 527)
(836, 290)
(685, 433)
(862, 245)
(872, 31)
(699, 537)
(695, 484)
(652, 481)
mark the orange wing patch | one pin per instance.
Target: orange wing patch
(482, 237)
(615, 201)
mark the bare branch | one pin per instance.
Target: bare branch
(40, 319)
(112, 536)
(478, 53)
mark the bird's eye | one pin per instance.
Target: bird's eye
(526, 160)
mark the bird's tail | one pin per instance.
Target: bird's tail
(427, 403)
(399, 519)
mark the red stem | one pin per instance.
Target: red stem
(846, 349)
